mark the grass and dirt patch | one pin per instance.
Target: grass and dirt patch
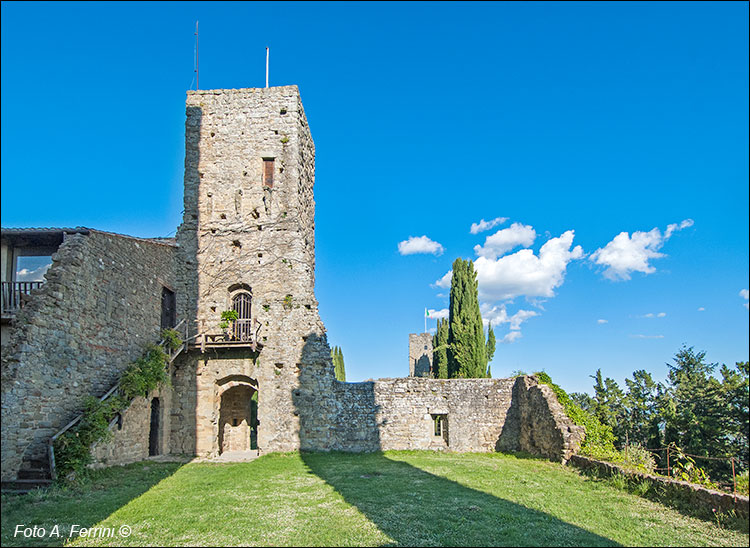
(395, 498)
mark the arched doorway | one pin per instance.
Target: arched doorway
(238, 418)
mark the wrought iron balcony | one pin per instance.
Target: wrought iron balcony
(240, 333)
(15, 295)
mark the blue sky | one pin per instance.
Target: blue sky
(574, 122)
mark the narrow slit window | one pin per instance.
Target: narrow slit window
(268, 172)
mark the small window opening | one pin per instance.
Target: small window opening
(268, 172)
(439, 423)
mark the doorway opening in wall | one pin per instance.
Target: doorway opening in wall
(168, 308)
(238, 419)
(153, 434)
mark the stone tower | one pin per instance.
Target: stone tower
(420, 355)
(247, 243)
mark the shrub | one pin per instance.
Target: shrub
(599, 440)
(742, 483)
(171, 338)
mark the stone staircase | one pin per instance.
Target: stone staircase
(34, 475)
(39, 474)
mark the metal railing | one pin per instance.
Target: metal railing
(16, 294)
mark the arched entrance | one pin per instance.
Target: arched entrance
(238, 418)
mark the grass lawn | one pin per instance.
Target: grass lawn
(395, 498)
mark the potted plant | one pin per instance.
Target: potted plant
(227, 317)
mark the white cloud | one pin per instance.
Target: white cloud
(483, 225)
(745, 294)
(626, 254)
(674, 227)
(421, 244)
(445, 281)
(438, 314)
(36, 275)
(524, 273)
(498, 315)
(639, 336)
(601, 322)
(506, 239)
(652, 315)
(511, 337)
(701, 309)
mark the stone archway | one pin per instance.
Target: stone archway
(238, 416)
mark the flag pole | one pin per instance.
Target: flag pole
(197, 71)
(267, 67)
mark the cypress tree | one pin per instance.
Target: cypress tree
(342, 369)
(490, 348)
(467, 350)
(338, 363)
(440, 350)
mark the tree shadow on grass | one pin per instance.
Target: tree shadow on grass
(103, 493)
(416, 508)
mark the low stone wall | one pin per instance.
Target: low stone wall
(704, 501)
(478, 415)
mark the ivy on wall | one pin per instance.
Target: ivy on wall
(150, 371)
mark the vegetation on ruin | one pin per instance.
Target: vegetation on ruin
(409, 498)
(73, 448)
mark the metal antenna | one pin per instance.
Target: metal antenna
(267, 50)
(197, 73)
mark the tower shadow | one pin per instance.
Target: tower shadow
(409, 505)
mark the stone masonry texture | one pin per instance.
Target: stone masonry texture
(100, 306)
(248, 229)
(420, 355)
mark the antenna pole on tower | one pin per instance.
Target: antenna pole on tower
(267, 50)
(197, 72)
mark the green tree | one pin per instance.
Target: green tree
(736, 394)
(337, 355)
(698, 414)
(490, 348)
(440, 350)
(640, 408)
(467, 349)
(608, 406)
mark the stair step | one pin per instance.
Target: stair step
(34, 474)
(23, 486)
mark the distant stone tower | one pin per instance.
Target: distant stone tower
(247, 244)
(420, 355)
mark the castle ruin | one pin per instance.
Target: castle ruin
(266, 382)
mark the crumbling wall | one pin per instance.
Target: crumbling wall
(99, 307)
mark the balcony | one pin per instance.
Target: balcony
(241, 333)
(15, 295)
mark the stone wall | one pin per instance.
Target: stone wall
(99, 307)
(130, 437)
(701, 500)
(479, 415)
(420, 355)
